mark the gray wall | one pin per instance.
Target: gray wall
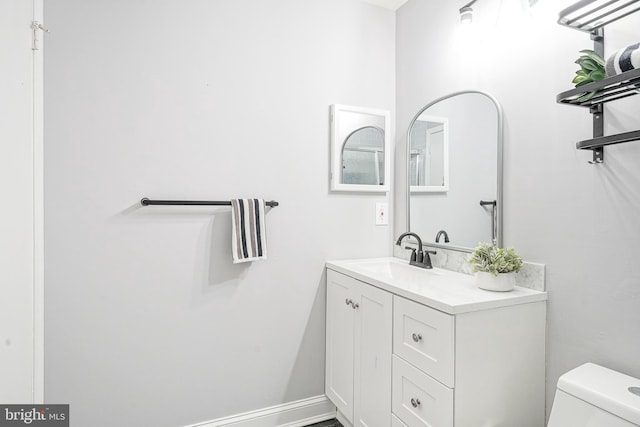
(148, 322)
(579, 220)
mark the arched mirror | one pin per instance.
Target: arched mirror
(360, 149)
(454, 171)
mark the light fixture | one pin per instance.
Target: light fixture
(466, 13)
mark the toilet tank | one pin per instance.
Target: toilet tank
(594, 396)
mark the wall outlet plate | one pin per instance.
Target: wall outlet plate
(382, 217)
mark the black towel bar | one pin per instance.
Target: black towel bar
(146, 202)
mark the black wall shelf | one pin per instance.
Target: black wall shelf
(603, 141)
(592, 16)
(609, 89)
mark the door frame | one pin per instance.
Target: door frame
(38, 207)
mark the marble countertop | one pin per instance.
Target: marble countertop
(443, 290)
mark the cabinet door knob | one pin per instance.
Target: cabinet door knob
(416, 338)
(415, 402)
(355, 305)
(348, 301)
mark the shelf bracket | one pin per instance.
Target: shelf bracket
(598, 131)
(598, 156)
(597, 36)
(597, 110)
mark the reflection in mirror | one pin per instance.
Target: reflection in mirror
(359, 149)
(363, 157)
(472, 122)
(429, 154)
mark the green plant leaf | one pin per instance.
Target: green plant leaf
(581, 79)
(491, 259)
(594, 56)
(597, 75)
(589, 64)
(586, 96)
(584, 82)
(591, 70)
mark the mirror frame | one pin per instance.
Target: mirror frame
(500, 149)
(444, 122)
(337, 145)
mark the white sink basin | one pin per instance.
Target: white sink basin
(390, 269)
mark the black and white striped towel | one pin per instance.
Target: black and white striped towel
(626, 59)
(248, 232)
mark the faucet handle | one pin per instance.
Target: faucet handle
(413, 255)
(427, 260)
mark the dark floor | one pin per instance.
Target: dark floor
(328, 423)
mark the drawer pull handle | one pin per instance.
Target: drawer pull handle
(350, 302)
(416, 338)
(415, 402)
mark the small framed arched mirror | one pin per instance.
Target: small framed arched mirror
(360, 149)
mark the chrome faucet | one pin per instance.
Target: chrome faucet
(442, 233)
(418, 258)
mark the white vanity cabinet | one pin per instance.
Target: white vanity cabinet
(455, 355)
(358, 350)
(485, 367)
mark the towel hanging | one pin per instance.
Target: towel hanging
(248, 231)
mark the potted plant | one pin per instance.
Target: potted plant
(495, 267)
(592, 69)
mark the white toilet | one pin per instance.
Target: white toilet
(593, 396)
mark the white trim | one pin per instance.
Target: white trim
(343, 420)
(38, 213)
(294, 414)
(387, 4)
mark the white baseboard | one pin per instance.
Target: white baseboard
(294, 414)
(343, 420)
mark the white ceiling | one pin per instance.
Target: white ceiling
(388, 4)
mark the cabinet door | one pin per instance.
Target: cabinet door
(395, 422)
(340, 342)
(372, 363)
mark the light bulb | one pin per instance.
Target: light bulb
(466, 15)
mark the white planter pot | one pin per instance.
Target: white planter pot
(503, 282)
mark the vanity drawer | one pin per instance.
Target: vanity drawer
(419, 400)
(424, 337)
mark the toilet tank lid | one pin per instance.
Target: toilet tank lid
(604, 388)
